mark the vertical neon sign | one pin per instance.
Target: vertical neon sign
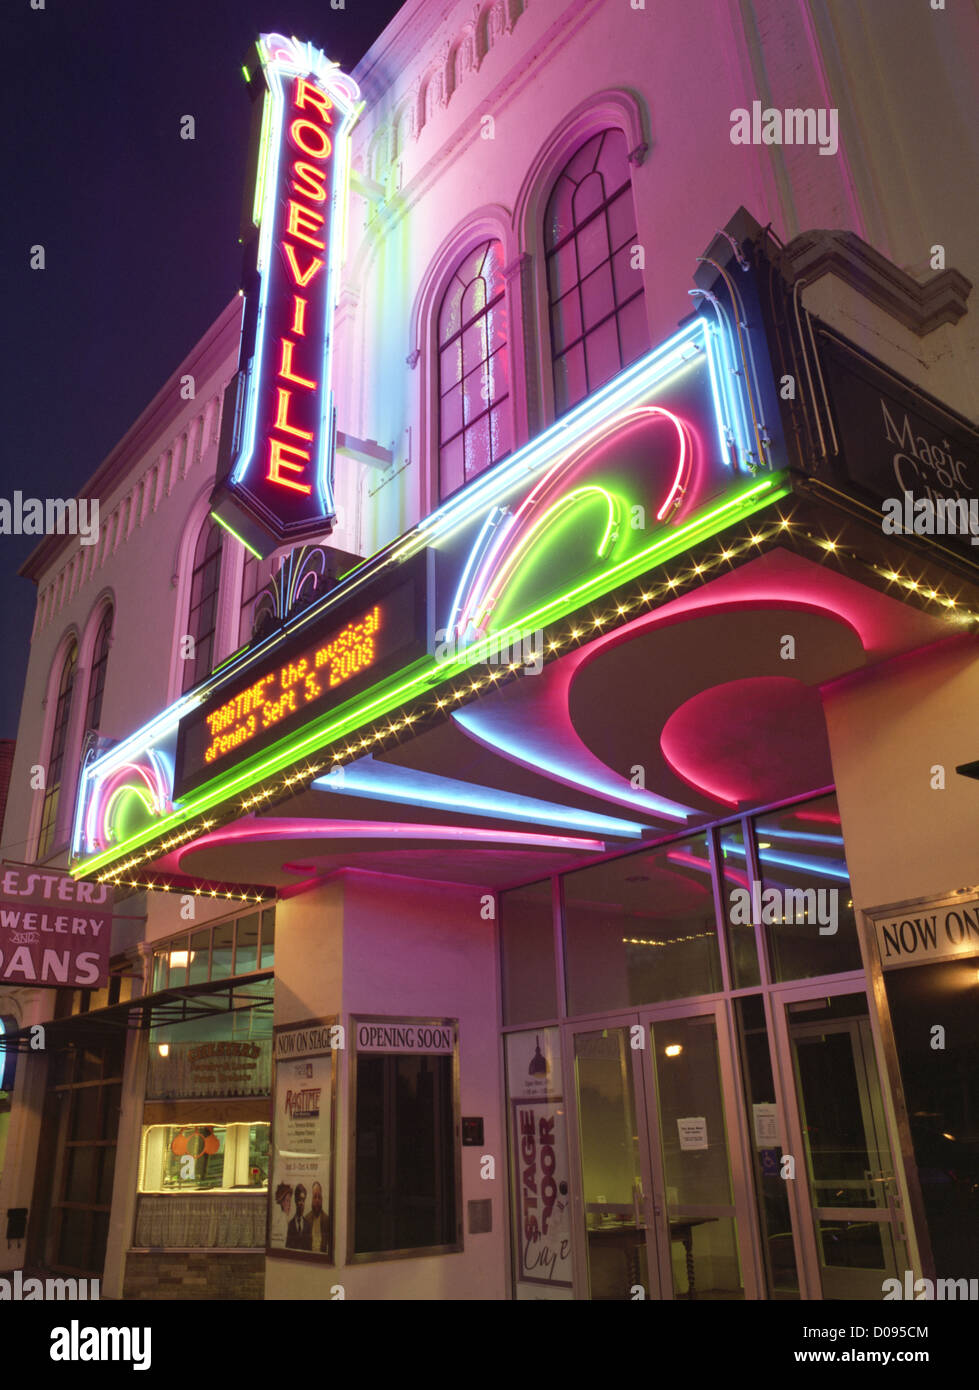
(276, 471)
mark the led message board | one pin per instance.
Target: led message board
(277, 448)
(353, 646)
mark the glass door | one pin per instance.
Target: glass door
(697, 1207)
(616, 1261)
(844, 1168)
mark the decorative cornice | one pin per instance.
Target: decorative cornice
(921, 306)
(637, 155)
(442, 74)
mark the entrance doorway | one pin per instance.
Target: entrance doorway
(851, 1223)
(69, 1223)
(660, 1213)
(669, 1206)
(935, 1019)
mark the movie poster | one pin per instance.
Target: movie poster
(541, 1177)
(301, 1180)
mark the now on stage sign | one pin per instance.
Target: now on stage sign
(937, 931)
(54, 930)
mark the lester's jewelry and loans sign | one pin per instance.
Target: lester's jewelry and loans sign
(917, 935)
(54, 930)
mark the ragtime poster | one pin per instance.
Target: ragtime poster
(301, 1182)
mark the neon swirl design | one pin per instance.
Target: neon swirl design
(505, 537)
(303, 571)
(151, 780)
(514, 556)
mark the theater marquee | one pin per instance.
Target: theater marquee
(316, 671)
(664, 456)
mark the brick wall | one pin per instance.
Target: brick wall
(194, 1274)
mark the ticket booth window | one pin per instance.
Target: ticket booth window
(204, 1158)
(406, 1180)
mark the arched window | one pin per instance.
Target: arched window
(96, 681)
(597, 308)
(473, 369)
(56, 758)
(255, 575)
(250, 587)
(203, 615)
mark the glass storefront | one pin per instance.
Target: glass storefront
(721, 1104)
(204, 1158)
(243, 946)
(204, 1151)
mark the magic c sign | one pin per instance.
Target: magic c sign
(276, 470)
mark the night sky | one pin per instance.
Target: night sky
(139, 226)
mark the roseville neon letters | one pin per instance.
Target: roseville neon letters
(278, 485)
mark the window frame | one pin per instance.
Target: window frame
(503, 301)
(47, 832)
(191, 673)
(236, 1153)
(98, 668)
(414, 1252)
(549, 252)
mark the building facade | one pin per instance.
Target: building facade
(587, 935)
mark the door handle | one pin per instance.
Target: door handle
(638, 1200)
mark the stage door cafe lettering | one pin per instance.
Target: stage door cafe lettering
(54, 930)
(542, 1235)
(542, 1194)
(935, 933)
